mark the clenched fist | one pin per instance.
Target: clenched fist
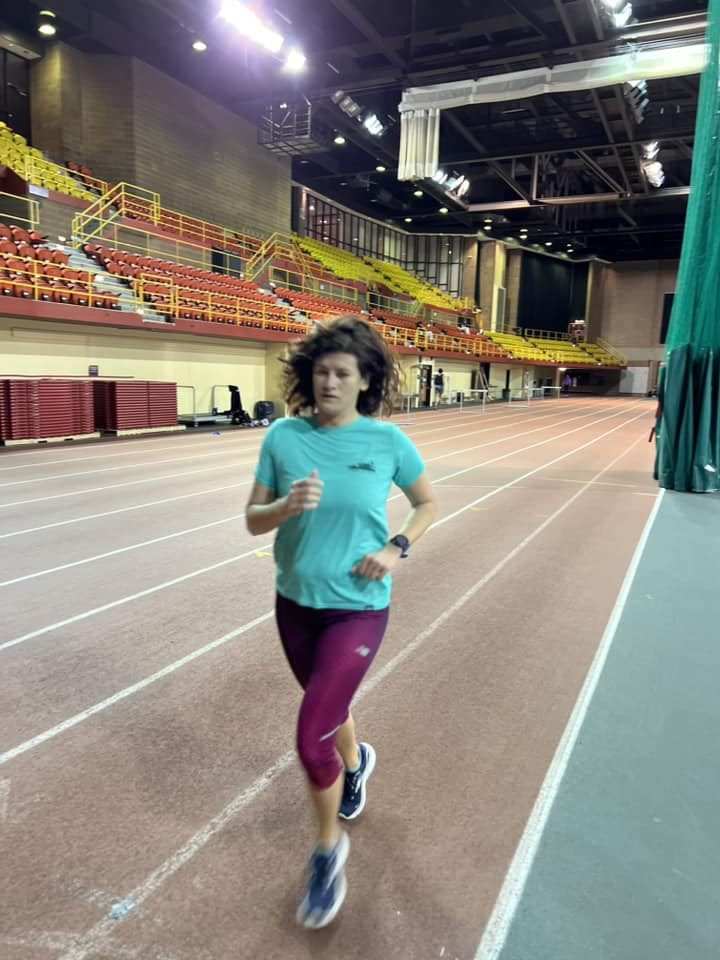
(304, 495)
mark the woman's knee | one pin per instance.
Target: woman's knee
(319, 757)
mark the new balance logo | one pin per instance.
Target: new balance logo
(363, 466)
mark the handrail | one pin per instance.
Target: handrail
(613, 351)
(32, 208)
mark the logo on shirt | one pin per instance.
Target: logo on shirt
(363, 466)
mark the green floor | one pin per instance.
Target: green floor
(629, 864)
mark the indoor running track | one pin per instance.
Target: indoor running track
(151, 805)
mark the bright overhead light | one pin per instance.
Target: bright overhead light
(651, 149)
(440, 176)
(380, 168)
(295, 60)
(408, 219)
(339, 140)
(199, 46)
(418, 193)
(250, 25)
(444, 210)
(614, 4)
(46, 27)
(373, 125)
(548, 243)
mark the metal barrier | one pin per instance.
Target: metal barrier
(19, 211)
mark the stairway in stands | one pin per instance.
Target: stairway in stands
(129, 303)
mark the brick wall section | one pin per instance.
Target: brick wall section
(514, 269)
(108, 142)
(627, 303)
(46, 100)
(128, 121)
(205, 160)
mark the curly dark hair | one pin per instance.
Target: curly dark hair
(344, 335)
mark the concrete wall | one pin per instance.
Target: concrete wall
(128, 121)
(205, 160)
(34, 348)
(626, 305)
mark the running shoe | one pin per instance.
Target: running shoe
(327, 886)
(354, 790)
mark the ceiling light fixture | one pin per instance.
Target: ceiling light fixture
(199, 46)
(548, 243)
(339, 140)
(373, 125)
(417, 193)
(380, 168)
(295, 61)
(444, 210)
(408, 219)
(247, 22)
(46, 25)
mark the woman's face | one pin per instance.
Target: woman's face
(337, 384)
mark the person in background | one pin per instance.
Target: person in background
(438, 387)
(322, 482)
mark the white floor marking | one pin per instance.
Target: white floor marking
(128, 483)
(129, 691)
(512, 889)
(111, 513)
(119, 550)
(92, 941)
(208, 569)
(129, 599)
(126, 466)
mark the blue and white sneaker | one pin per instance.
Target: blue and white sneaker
(327, 886)
(354, 790)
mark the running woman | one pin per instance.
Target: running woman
(323, 481)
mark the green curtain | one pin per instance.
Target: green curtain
(688, 425)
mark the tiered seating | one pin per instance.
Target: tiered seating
(344, 265)
(519, 347)
(29, 163)
(34, 272)
(403, 281)
(561, 351)
(189, 293)
(316, 306)
(599, 355)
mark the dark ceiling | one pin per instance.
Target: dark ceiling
(577, 145)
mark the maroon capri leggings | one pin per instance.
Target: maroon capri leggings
(329, 651)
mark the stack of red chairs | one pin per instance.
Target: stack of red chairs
(32, 271)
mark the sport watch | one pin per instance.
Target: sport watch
(400, 541)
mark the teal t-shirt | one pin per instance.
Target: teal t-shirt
(358, 463)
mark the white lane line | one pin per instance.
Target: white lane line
(73, 721)
(119, 550)
(526, 433)
(131, 598)
(531, 473)
(127, 549)
(129, 691)
(516, 878)
(128, 483)
(110, 513)
(126, 466)
(92, 941)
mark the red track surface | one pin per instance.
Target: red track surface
(180, 792)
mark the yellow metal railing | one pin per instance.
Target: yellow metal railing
(181, 301)
(32, 284)
(19, 211)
